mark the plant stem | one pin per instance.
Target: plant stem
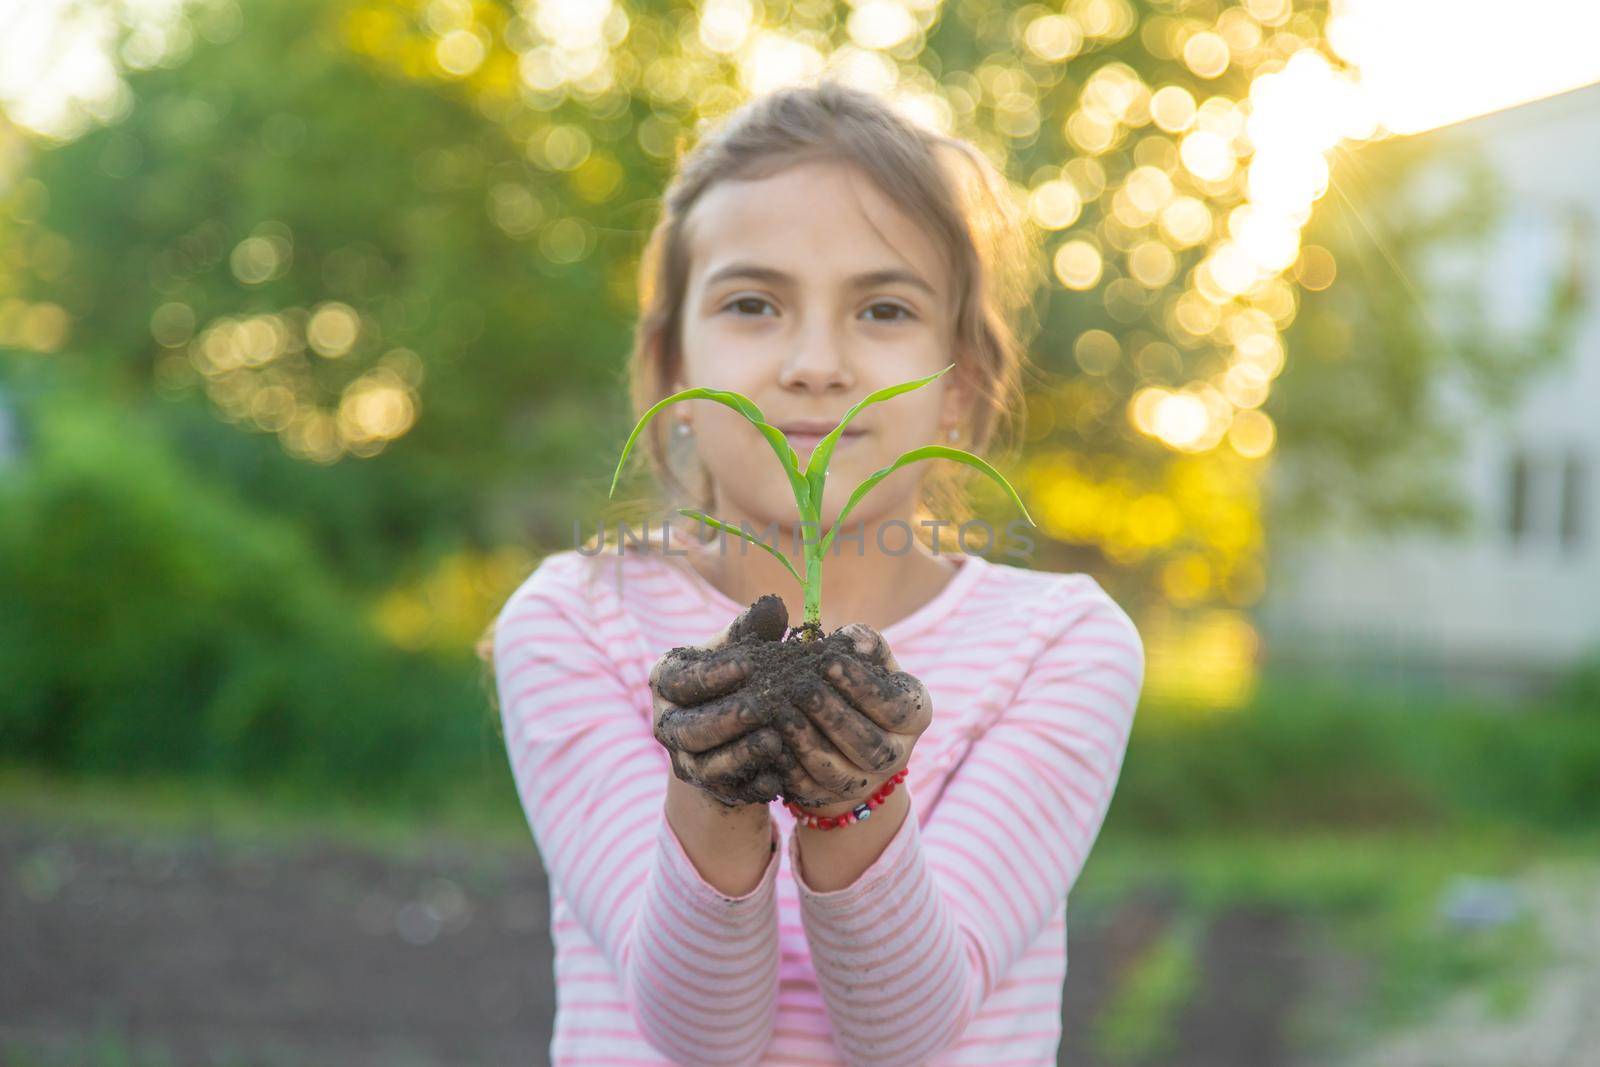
(812, 622)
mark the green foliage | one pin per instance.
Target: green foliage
(385, 190)
(1580, 688)
(158, 624)
(1310, 753)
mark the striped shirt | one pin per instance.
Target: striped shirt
(951, 948)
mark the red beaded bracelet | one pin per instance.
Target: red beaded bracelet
(859, 813)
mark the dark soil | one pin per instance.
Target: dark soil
(196, 948)
(787, 666)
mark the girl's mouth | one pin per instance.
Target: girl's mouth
(803, 443)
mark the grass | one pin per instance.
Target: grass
(1140, 1023)
(486, 813)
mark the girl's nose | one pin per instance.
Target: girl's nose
(818, 362)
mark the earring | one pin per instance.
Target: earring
(954, 433)
(682, 429)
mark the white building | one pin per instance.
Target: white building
(1515, 602)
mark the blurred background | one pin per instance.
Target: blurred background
(312, 321)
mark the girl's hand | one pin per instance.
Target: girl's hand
(856, 728)
(707, 719)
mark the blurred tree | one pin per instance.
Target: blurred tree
(329, 255)
(398, 238)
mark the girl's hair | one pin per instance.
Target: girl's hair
(944, 184)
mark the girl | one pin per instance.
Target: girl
(815, 248)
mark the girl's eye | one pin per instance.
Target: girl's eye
(906, 312)
(753, 305)
(747, 304)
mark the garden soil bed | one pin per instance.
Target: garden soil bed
(197, 949)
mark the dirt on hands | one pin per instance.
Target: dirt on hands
(784, 667)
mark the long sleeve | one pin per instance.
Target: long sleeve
(699, 969)
(908, 953)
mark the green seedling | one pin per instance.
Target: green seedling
(808, 483)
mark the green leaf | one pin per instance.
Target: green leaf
(913, 456)
(744, 406)
(817, 465)
(718, 524)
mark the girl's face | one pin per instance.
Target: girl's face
(808, 290)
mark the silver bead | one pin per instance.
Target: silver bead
(954, 433)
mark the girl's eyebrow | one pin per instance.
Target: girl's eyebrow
(771, 275)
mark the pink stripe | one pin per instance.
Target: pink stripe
(615, 797)
(809, 1006)
(549, 610)
(686, 1001)
(1028, 983)
(940, 963)
(756, 948)
(1031, 815)
(1116, 728)
(579, 766)
(938, 1038)
(791, 1060)
(1053, 729)
(1000, 890)
(912, 909)
(1042, 1007)
(714, 981)
(1118, 700)
(904, 985)
(560, 637)
(1030, 1035)
(563, 811)
(1014, 786)
(595, 1032)
(680, 613)
(935, 995)
(582, 892)
(588, 979)
(697, 1044)
(569, 855)
(618, 909)
(660, 980)
(1025, 816)
(943, 661)
(688, 897)
(595, 1005)
(977, 832)
(1029, 757)
(591, 699)
(574, 737)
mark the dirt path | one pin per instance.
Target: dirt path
(192, 949)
